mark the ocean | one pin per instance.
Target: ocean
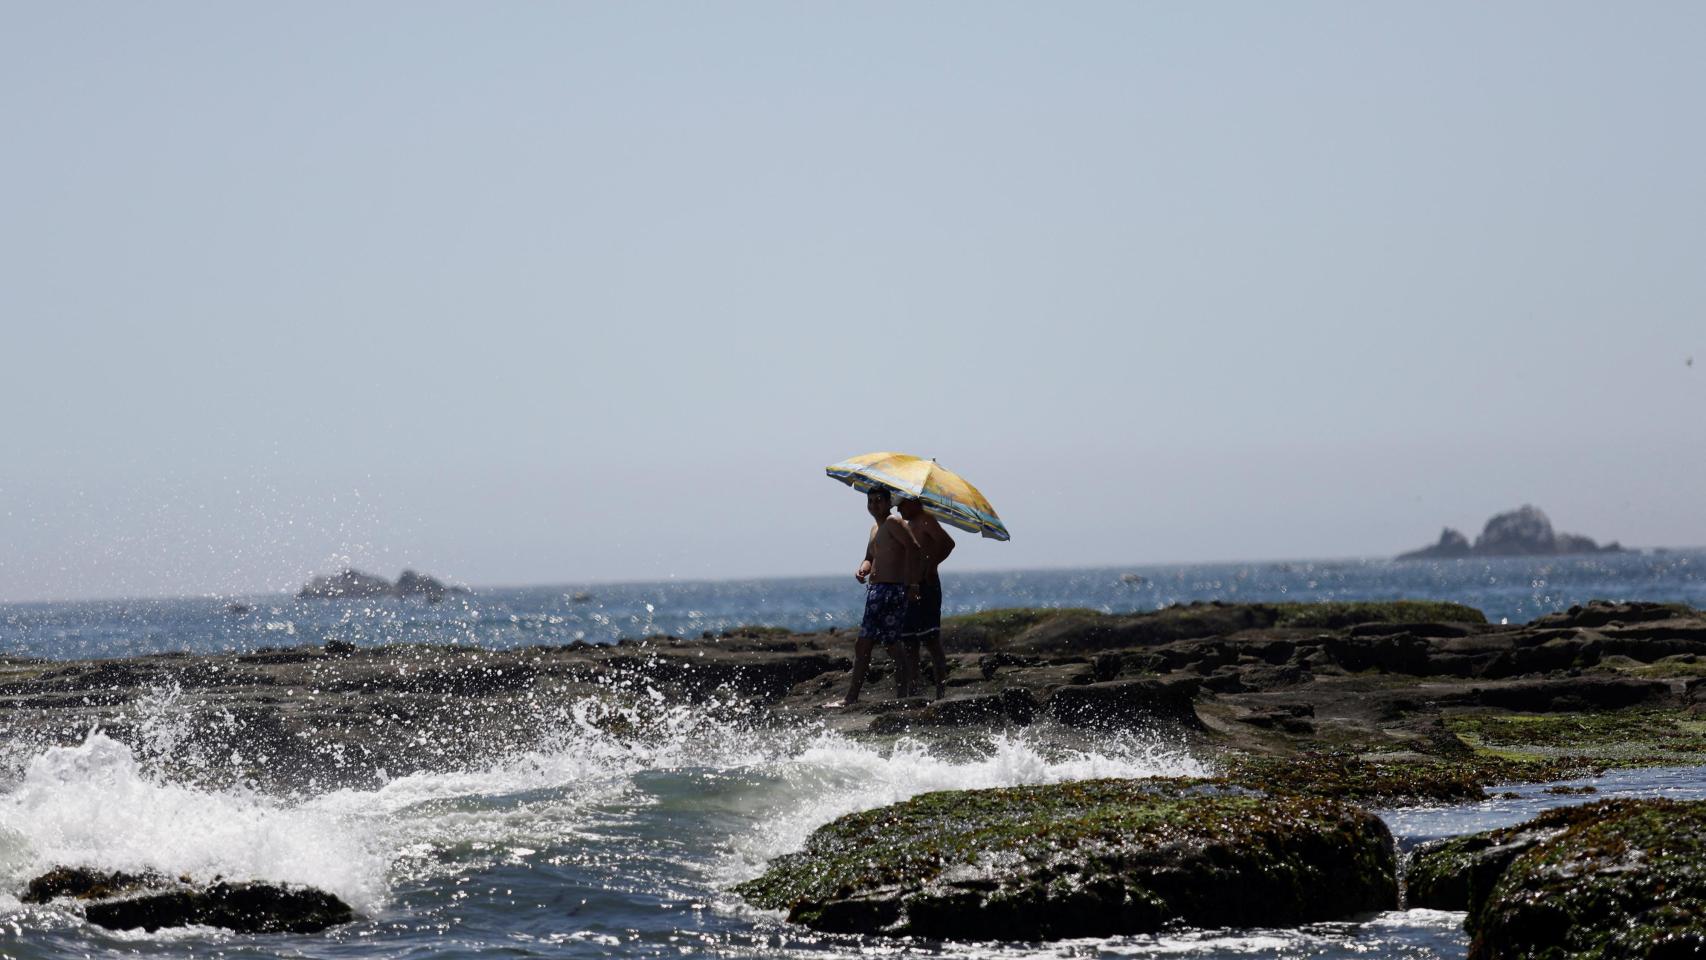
(1513, 589)
(581, 843)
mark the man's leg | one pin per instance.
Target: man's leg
(913, 653)
(938, 661)
(861, 663)
(906, 668)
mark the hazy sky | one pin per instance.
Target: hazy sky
(534, 293)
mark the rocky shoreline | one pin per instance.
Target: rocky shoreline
(1310, 706)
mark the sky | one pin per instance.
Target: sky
(540, 293)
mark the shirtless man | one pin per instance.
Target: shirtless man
(891, 570)
(924, 615)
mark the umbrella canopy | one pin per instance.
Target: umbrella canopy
(945, 494)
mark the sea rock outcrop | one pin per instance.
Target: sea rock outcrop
(149, 901)
(1523, 532)
(1454, 873)
(1391, 678)
(354, 584)
(1621, 878)
(1087, 859)
(346, 583)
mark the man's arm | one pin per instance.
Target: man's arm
(943, 544)
(864, 571)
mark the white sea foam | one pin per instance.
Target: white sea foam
(91, 805)
(98, 804)
(833, 775)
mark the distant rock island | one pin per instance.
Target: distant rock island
(1523, 532)
(354, 583)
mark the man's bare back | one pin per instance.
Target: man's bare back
(931, 538)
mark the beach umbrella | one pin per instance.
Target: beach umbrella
(945, 494)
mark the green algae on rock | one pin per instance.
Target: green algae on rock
(1637, 736)
(1090, 858)
(1624, 878)
(1394, 781)
(1081, 629)
(1454, 873)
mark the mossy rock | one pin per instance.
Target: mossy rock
(1625, 878)
(1635, 736)
(1454, 873)
(991, 629)
(1042, 628)
(1085, 859)
(1333, 615)
(1396, 781)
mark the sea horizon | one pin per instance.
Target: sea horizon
(290, 593)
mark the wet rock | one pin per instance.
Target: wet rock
(1124, 703)
(242, 907)
(149, 901)
(1290, 717)
(1624, 878)
(1088, 859)
(1451, 874)
(1599, 613)
(86, 883)
(1571, 694)
(1013, 706)
(1388, 654)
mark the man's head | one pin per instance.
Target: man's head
(877, 502)
(911, 508)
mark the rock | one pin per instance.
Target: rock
(1523, 532)
(84, 883)
(1624, 878)
(1600, 613)
(355, 584)
(1124, 703)
(1012, 706)
(150, 901)
(1451, 544)
(349, 583)
(410, 584)
(1451, 874)
(242, 907)
(1571, 694)
(1093, 858)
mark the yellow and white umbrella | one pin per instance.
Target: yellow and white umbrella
(945, 494)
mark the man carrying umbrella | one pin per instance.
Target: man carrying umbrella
(924, 614)
(937, 493)
(891, 571)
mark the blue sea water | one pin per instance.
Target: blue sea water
(582, 844)
(1517, 589)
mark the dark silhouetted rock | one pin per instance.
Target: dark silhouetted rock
(349, 583)
(1125, 703)
(150, 901)
(1094, 858)
(1517, 533)
(354, 583)
(84, 883)
(1523, 532)
(1451, 544)
(411, 584)
(243, 907)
